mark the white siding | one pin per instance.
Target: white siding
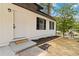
(6, 25)
(25, 22)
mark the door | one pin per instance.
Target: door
(19, 24)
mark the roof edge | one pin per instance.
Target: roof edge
(37, 11)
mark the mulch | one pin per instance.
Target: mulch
(45, 46)
(46, 39)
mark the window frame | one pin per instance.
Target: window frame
(39, 24)
(51, 25)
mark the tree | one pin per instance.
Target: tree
(47, 7)
(65, 21)
(76, 26)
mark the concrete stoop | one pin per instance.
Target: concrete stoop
(6, 51)
(13, 48)
(18, 47)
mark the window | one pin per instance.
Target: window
(51, 25)
(41, 24)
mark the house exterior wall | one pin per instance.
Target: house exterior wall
(6, 25)
(29, 24)
(25, 22)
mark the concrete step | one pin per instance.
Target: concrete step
(18, 47)
(6, 51)
(19, 38)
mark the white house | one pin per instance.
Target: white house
(24, 20)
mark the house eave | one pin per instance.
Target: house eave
(35, 11)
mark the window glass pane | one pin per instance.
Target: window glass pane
(51, 25)
(41, 23)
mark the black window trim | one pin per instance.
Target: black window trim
(51, 25)
(37, 23)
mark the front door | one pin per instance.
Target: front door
(19, 24)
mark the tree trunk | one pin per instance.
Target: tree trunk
(63, 34)
(49, 8)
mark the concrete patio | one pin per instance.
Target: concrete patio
(59, 47)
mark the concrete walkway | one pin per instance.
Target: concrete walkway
(59, 47)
